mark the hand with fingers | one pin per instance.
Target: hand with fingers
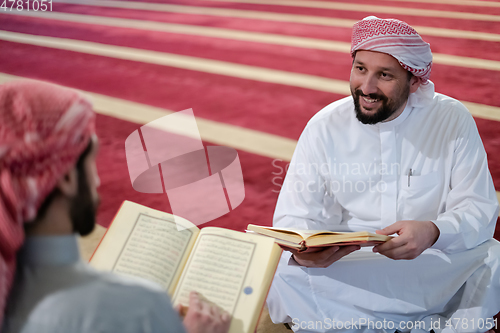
(414, 238)
(323, 257)
(203, 317)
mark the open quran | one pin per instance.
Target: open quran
(304, 240)
(229, 268)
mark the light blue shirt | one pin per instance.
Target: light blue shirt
(56, 292)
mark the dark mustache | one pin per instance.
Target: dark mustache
(371, 96)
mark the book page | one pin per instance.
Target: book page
(315, 248)
(315, 236)
(146, 243)
(289, 234)
(233, 270)
(283, 233)
(360, 238)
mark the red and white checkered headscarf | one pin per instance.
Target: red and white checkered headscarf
(396, 38)
(43, 130)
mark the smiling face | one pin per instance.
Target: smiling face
(379, 86)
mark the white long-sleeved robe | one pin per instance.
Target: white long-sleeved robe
(345, 174)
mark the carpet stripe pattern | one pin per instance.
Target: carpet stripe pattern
(254, 71)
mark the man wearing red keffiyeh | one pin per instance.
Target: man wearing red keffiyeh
(48, 191)
(394, 158)
(29, 169)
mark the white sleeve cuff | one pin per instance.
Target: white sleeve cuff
(447, 233)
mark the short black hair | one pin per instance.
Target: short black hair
(52, 195)
(410, 75)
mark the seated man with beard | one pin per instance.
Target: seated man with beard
(395, 158)
(48, 192)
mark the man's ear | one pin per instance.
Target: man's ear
(68, 184)
(414, 84)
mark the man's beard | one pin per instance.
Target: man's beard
(83, 209)
(388, 108)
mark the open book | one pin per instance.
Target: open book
(229, 268)
(303, 240)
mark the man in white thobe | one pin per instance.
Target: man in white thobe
(393, 158)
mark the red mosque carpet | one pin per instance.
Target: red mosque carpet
(468, 30)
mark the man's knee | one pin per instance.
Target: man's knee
(494, 252)
(493, 261)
